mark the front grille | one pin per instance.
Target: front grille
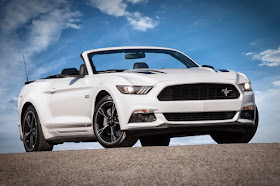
(202, 91)
(199, 116)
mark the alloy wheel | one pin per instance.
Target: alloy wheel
(30, 130)
(107, 123)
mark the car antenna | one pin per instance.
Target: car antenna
(25, 68)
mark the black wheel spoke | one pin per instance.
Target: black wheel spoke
(27, 121)
(102, 130)
(26, 135)
(113, 137)
(113, 110)
(31, 141)
(32, 119)
(103, 113)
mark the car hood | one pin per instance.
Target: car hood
(178, 76)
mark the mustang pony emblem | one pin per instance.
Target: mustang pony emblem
(226, 91)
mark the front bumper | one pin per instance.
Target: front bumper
(191, 130)
(127, 104)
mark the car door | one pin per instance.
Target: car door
(69, 105)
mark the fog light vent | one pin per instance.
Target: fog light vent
(247, 113)
(142, 116)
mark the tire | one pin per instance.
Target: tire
(232, 137)
(154, 141)
(33, 137)
(106, 126)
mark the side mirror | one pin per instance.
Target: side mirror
(82, 72)
(208, 66)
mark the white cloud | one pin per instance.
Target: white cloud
(111, 7)
(117, 8)
(18, 12)
(249, 53)
(276, 83)
(41, 24)
(269, 57)
(162, 10)
(47, 29)
(140, 22)
(137, 1)
(253, 43)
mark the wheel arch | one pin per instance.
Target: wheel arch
(100, 95)
(24, 108)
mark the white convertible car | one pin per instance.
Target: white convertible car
(123, 94)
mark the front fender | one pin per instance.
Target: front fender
(108, 84)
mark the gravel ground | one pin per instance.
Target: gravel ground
(231, 164)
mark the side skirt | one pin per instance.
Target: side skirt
(76, 139)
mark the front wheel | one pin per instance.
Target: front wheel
(106, 126)
(33, 137)
(231, 137)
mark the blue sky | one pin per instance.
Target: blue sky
(236, 35)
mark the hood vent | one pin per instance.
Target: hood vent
(223, 70)
(145, 72)
(148, 72)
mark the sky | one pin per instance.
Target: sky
(239, 35)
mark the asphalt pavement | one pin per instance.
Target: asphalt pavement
(225, 164)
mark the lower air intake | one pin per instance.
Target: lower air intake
(199, 116)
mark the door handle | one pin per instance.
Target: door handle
(53, 91)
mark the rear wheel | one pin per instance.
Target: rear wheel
(231, 137)
(33, 137)
(106, 126)
(154, 141)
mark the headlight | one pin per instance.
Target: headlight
(128, 89)
(246, 86)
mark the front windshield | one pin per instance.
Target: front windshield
(127, 59)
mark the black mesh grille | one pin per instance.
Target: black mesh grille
(199, 116)
(201, 91)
